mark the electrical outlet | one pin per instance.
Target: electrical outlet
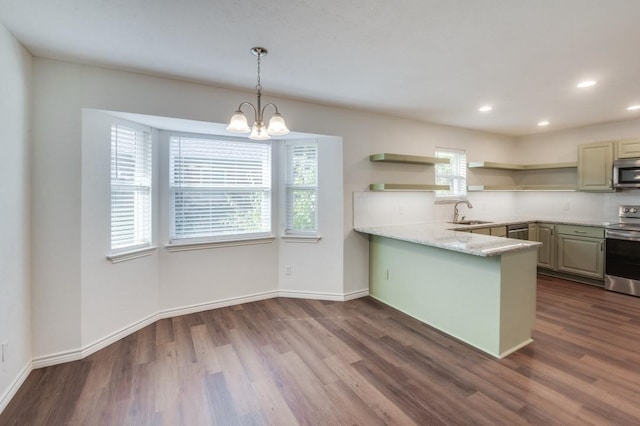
(287, 270)
(4, 350)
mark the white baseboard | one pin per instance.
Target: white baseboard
(75, 355)
(356, 294)
(57, 358)
(338, 297)
(78, 354)
(174, 312)
(15, 385)
(296, 294)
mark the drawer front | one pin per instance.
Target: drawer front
(582, 231)
(484, 231)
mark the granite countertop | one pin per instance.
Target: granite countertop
(450, 236)
(509, 220)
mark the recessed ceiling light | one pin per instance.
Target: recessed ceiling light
(586, 83)
(633, 107)
(485, 108)
(543, 123)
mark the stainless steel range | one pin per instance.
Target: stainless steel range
(623, 252)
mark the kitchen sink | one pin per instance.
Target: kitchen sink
(470, 222)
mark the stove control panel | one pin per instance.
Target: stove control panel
(629, 212)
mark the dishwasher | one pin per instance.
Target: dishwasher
(518, 231)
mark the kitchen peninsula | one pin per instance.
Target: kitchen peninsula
(477, 288)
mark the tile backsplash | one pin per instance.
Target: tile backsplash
(386, 208)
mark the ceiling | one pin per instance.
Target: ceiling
(429, 60)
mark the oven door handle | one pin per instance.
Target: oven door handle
(627, 236)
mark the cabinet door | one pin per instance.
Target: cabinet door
(499, 231)
(628, 148)
(533, 232)
(581, 256)
(595, 167)
(547, 252)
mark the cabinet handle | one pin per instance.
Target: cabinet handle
(580, 232)
(601, 245)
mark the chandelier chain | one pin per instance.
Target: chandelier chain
(259, 86)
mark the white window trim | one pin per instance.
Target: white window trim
(292, 236)
(299, 238)
(202, 245)
(451, 199)
(124, 256)
(240, 239)
(135, 251)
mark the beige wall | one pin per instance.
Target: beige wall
(79, 297)
(563, 146)
(15, 219)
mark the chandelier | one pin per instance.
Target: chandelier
(259, 132)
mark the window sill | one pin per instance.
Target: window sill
(131, 254)
(175, 247)
(308, 239)
(451, 200)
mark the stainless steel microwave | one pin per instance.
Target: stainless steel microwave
(626, 173)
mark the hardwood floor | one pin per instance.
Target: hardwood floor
(291, 361)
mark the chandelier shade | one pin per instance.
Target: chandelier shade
(277, 126)
(239, 123)
(259, 133)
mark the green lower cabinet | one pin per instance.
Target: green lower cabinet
(499, 231)
(547, 252)
(533, 232)
(581, 256)
(496, 231)
(572, 251)
(483, 231)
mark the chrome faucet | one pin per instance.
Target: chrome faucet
(455, 210)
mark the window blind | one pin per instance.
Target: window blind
(219, 188)
(302, 188)
(130, 188)
(453, 174)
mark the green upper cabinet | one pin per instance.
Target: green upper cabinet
(595, 166)
(628, 148)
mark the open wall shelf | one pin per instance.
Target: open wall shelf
(386, 157)
(516, 168)
(507, 166)
(406, 187)
(476, 188)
